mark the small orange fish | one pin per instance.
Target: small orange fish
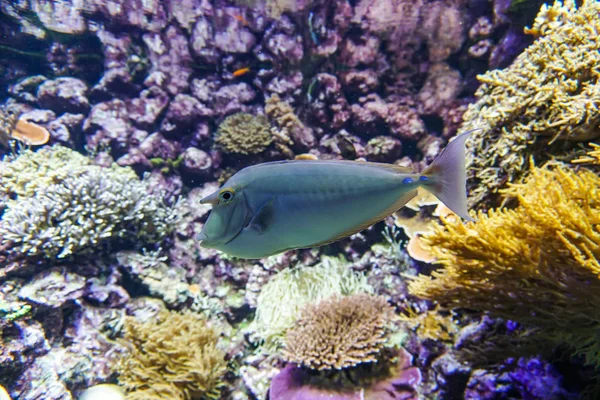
(241, 19)
(241, 71)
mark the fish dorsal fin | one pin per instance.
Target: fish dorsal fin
(261, 221)
(398, 204)
(390, 167)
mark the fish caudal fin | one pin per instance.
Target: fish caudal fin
(446, 177)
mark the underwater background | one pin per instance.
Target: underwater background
(117, 117)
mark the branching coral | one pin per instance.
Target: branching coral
(244, 133)
(282, 298)
(173, 357)
(340, 332)
(31, 171)
(537, 264)
(8, 121)
(591, 157)
(64, 205)
(288, 129)
(552, 89)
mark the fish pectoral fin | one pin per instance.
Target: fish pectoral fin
(261, 221)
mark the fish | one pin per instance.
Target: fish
(313, 35)
(241, 19)
(241, 71)
(273, 207)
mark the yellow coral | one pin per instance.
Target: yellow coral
(552, 89)
(591, 157)
(536, 264)
(174, 356)
(431, 324)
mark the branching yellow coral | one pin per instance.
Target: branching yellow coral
(552, 89)
(173, 357)
(431, 324)
(536, 264)
(591, 157)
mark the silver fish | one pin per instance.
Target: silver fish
(269, 208)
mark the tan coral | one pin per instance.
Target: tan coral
(287, 124)
(551, 90)
(174, 356)
(243, 133)
(30, 133)
(340, 332)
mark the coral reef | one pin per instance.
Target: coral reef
(536, 264)
(174, 356)
(64, 205)
(244, 134)
(549, 91)
(184, 93)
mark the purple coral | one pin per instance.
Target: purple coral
(298, 383)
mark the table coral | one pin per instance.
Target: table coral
(552, 89)
(174, 356)
(63, 204)
(537, 264)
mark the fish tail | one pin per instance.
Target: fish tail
(446, 177)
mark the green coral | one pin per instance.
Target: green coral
(62, 204)
(172, 356)
(551, 90)
(11, 311)
(244, 133)
(282, 298)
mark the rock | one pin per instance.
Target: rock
(169, 54)
(53, 288)
(145, 110)
(184, 111)
(67, 128)
(38, 116)
(156, 146)
(231, 36)
(197, 162)
(108, 124)
(64, 95)
(26, 89)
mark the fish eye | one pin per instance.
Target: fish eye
(226, 195)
